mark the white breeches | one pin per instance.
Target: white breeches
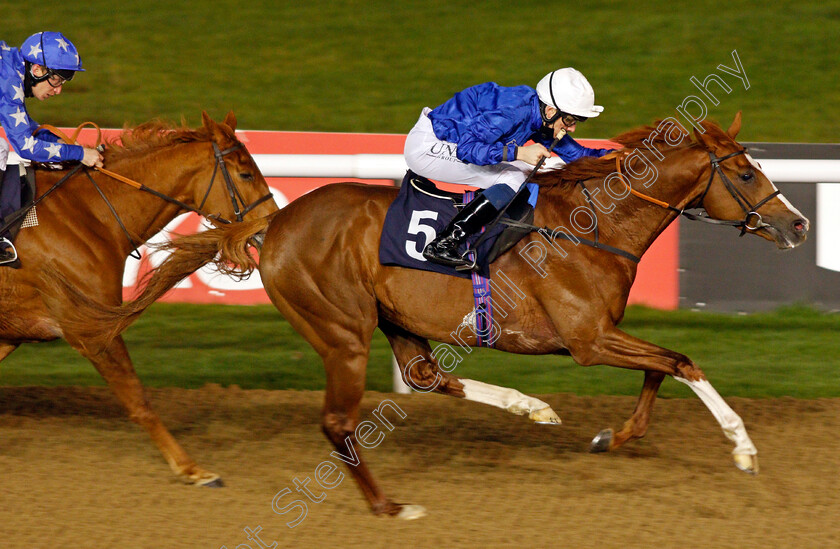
(432, 158)
(4, 153)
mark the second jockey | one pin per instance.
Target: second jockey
(39, 69)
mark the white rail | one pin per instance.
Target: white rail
(392, 166)
(362, 166)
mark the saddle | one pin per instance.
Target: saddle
(421, 210)
(17, 194)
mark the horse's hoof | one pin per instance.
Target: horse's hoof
(601, 442)
(545, 416)
(411, 512)
(215, 483)
(200, 477)
(746, 463)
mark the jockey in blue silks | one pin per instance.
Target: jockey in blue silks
(478, 138)
(39, 69)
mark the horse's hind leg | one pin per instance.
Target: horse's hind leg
(422, 373)
(420, 370)
(115, 366)
(344, 389)
(340, 331)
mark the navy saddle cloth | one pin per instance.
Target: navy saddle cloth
(17, 192)
(421, 211)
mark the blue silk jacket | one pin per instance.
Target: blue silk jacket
(15, 120)
(489, 121)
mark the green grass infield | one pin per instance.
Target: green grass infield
(372, 66)
(789, 352)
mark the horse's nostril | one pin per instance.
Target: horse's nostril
(800, 226)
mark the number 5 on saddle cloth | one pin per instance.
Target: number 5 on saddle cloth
(421, 210)
(17, 192)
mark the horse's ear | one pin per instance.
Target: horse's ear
(735, 127)
(206, 120)
(230, 120)
(217, 133)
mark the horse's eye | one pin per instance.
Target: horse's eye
(747, 177)
(245, 176)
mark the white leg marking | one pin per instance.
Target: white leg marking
(732, 424)
(510, 400)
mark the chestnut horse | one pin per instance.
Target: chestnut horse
(79, 236)
(319, 264)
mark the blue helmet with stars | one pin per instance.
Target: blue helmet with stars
(53, 51)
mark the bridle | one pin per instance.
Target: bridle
(752, 219)
(750, 210)
(240, 209)
(236, 199)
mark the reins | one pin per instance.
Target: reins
(750, 210)
(636, 193)
(499, 217)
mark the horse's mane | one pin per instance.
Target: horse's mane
(589, 167)
(157, 133)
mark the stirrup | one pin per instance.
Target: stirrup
(471, 263)
(8, 244)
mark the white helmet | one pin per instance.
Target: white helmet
(567, 90)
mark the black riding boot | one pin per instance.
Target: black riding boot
(443, 250)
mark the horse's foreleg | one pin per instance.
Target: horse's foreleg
(422, 373)
(115, 366)
(637, 425)
(616, 348)
(745, 453)
(510, 400)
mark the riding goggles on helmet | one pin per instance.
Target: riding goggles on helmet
(568, 119)
(57, 77)
(571, 119)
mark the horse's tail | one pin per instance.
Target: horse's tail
(95, 325)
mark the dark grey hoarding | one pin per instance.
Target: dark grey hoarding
(720, 271)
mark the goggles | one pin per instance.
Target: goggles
(572, 119)
(58, 77)
(568, 119)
